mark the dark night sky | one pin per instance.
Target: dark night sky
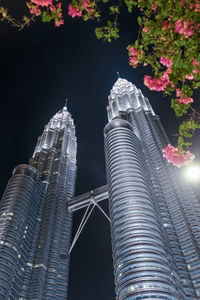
(40, 67)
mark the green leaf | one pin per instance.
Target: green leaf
(139, 19)
(99, 32)
(179, 108)
(130, 4)
(46, 17)
(195, 85)
(114, 9)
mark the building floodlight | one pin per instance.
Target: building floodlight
(192, 172)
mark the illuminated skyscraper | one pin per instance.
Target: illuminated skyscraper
(155, 218)
(35, 225)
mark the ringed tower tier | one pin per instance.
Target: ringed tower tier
(155, 218)
(35, 225)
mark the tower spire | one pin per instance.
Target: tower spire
(118, 75)
(66, 102)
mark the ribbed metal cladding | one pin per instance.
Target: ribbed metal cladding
(141, 265)
(35, 224)
(55, 159)
(18, 213)
(180, 216)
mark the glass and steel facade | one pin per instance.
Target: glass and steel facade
(35, 225)
(155, 218)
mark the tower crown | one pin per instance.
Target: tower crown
(125, 95)
(122, 85)
(62, 120)
(59, 120)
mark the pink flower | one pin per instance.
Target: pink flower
(185, 100)
(33, 11)
(74, 12)
(174, 156)
(195, 71)
(52, 7)
(166, 26)
(133, 61)
(189, 77)
(182, 2)
(153, 6)
(178, 27)
(148, 81)
(42, 2)
(183, 28)
(145, 29)
(85, 4)
(167, 62)
(178, 92)
(168, 71)
(158, 84)
(188, 32)
(195, 6)
(133, 51)
(134, 56)
(60, 22)
(195, 62)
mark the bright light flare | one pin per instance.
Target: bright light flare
(192, 173)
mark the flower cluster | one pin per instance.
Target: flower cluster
(42, 2)
(34, 9)
(163, 81)
(182, 98)
(168, 38)
(174, 156)
(195, 71)
(57, 10)
(167, 62)
(134, 57)
(195, 6)
(51, 12)
(184, 27)
(74, 11)
(157, 84)
(77, 11)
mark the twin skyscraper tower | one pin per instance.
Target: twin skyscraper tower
(154, 216)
